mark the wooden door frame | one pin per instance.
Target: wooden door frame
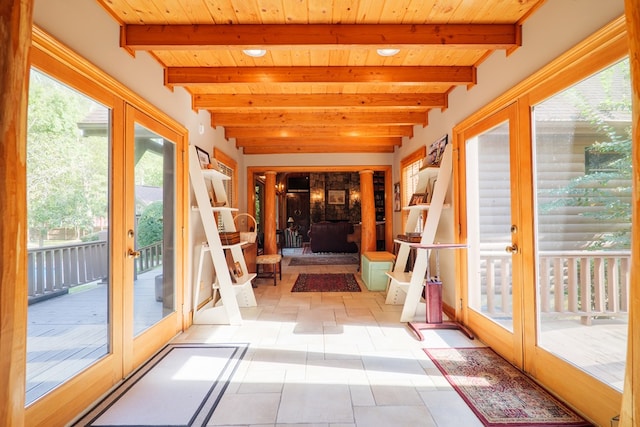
(152, 339)
(53, 58)
(253, 171)
(507, 343)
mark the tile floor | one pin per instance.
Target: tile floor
(332, 360)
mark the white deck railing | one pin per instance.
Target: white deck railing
(580, 283)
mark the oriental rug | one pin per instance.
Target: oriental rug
(326, 283)
(497, 392)
(179, 386)
(324, 260)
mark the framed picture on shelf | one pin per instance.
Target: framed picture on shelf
(435, 151)
(238, 270)
(336, 197)
(203, 157)
(418, 199)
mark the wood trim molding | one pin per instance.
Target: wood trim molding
(420, 153)
(15, 20)
(630, 410)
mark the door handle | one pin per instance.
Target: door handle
(133, 254)
(513, 249)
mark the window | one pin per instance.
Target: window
(596, 161)
(229, 167)
(409, 167)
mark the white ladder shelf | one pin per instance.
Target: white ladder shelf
(233, 293)
(406, 287)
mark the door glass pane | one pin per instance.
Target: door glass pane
(154, 176)
(68, 152)
(489, 224)
(583, 179)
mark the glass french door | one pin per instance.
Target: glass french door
(103, 244)
(151, 199)
(582, 155)
(488, 153)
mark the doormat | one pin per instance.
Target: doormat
(497, 392)
(324, 260)
(179, 386)
(326, 283)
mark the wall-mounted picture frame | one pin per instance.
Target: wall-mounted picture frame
(336, 197)
(396, 197)
(203, 157)
(418, 199)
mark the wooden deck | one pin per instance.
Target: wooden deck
(599, 349)
(68, 333)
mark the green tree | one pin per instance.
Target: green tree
(150, 225)
(66, 174)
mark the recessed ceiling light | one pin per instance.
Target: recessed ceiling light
(387, 52)
(255, 53)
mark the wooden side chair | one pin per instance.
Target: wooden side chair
(275, 261)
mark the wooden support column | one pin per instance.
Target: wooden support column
(15, 38)
(630, 411)
(270, 244)
(368, 212)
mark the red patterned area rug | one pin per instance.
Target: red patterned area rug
(497, 392)
(326, 283)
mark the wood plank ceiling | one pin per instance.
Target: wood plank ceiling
(321, 86)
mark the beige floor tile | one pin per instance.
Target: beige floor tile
(311, 402)
(332, 360)
(385, 416)
(247, 408)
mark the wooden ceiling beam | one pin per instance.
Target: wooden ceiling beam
(303, 146)
(316, 118)
(317, 131)
(305, 36)
(185, 76)
(316, 149)
(327, 141)
(405, 101)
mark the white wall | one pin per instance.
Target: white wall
(556, 27)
